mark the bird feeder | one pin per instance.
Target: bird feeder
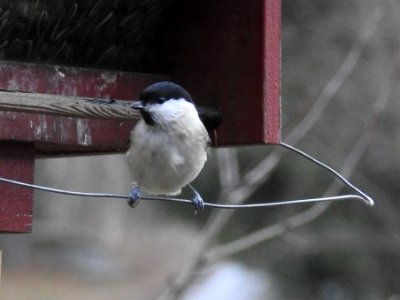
(226, 53)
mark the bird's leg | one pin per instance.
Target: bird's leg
(134, 197)
(197, 200)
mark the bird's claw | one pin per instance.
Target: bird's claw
(197, 202)
(134, 197)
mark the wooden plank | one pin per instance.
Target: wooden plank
(62, 134)
(16, 162)
(64, 106)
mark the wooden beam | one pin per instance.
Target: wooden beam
(64, 106)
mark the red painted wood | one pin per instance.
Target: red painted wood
(16, 162)
(72, 81)
(227, 54)
(272, 70)
(56, 134)
(52, 133)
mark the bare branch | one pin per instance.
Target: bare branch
(228, 168)
(316, 210)
(337, 81)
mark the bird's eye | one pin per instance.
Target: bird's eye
(161, 100)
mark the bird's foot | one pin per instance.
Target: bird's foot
(197, 200)
(134, 197)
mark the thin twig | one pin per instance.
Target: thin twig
(228, 168)
(337, 81)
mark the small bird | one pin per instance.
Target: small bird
(169, 144)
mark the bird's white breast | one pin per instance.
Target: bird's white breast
(167, 156)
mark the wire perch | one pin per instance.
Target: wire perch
(359, 196)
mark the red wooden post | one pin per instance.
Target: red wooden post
(16, 162)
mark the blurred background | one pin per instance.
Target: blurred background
(340, 72)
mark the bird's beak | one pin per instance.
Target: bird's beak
(138, 105)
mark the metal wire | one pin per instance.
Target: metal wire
(361, 195)
(367, 199)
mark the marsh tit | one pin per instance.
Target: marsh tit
(169, 144)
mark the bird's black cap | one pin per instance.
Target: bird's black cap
(164, 91)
